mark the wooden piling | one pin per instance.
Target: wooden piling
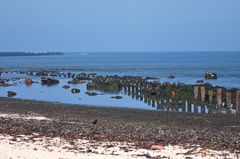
(203, 96)
(219, 100)
(153, 102)
(195, 89)
(145, 98)
(158, 103)
(210, 96)
(173, 100)
(237, 101)
(228, 101)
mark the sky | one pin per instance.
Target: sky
(119, 25)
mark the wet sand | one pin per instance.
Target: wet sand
(140, 127)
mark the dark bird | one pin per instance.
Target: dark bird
(94, 122)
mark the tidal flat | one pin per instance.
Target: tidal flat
(142, 112)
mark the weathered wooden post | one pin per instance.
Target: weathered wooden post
(203, 96)
(133, 91)
(125, 88)
(137, 91)
(189, 103)
(183, 99)
(195, 89)
(228, 101)
(158, 103)
(210, 96)
(149, 100)
(129, 88)
(153, 102)
(219, 100)
(173, 100)
(237, 101)
(145, 98)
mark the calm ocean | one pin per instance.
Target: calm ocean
(187, 67)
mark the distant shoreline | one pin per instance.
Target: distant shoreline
(30, 54)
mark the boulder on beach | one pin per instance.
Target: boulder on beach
(11, 93)
(28, 81)
(75, 90)
(210, 75)
(66, 86)
(49, 81)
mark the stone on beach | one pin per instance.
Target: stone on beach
(28, 81)
(91, 93)
(156, 147)
(4, 83)
(75, 81)
(49, 81)
(75, 90)
(11, 93)
(66, 86)
(117, 97)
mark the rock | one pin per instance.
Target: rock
(156, 147)
(200, 81)
(75, 81)
(151, 78)
(171, 77)
(42, 73)
(11, 94)
(53, 74)
(28, 81)
(4, 83)
(66, 86)
(49, 81)
(210, 75)
(117, 97)
(94, 122)
(75, 90)
(91, 93)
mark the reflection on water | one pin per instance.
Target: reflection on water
(56, 93)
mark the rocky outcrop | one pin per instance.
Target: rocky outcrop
(49, 81)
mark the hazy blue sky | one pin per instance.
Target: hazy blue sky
(119, 25)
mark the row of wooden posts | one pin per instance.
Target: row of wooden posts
(172, 97)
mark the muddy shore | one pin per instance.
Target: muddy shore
(144, 128)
